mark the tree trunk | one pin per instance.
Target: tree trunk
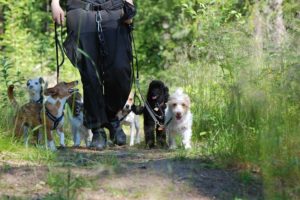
(276, 28)
(269, 24)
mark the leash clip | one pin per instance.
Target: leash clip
(98, 21)
(87, 7)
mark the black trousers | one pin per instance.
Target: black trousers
(106, 79)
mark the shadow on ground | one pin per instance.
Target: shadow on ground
(126, 173)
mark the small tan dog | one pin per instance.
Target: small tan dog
(75, 117)
(32, 115)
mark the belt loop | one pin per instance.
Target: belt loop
(87, 7)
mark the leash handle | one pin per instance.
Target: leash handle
(58, 45)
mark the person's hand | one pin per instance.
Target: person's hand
(58, 14)
(128, 21)
(131, 7)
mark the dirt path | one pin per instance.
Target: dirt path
(124, 173)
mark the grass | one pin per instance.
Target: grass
(66, 185)
(11, 150)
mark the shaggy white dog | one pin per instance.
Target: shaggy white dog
(179, 119)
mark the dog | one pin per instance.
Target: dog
(35, 90)
(32, 114)
(157, 97)
(179, 119)
(79, 131)
(129, 118)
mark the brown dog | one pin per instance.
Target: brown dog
(50, 115)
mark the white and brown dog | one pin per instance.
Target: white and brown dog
(129, 118)
(51, 117)
(79, 131)
(179, 119)
(35, 90)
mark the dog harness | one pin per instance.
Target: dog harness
(55, 120)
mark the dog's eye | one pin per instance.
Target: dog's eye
(28, 84)
(183, 105)
(130, 99)
(36, 83)
(174, 104)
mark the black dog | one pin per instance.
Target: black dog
(157, 98)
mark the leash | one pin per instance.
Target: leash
(120, 120)
(58, 45)
(137, 81)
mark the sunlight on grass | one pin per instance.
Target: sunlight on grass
(11, 150)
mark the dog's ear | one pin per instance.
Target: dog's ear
(41, 80)
(166, 93)
(187, 101)
(50, 92)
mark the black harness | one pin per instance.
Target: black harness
(55, 120)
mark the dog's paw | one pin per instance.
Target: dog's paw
(61, 147)
(138, 110)
(52, 146)
(172, 147)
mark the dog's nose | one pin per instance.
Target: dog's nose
(127, 106)
(178, 114)
(30, 87)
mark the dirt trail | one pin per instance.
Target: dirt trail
(124, 173)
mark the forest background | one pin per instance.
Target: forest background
(237, 59)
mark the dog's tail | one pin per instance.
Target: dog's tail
(11, 97)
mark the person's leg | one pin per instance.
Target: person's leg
(101, 106)
(81, 24)
(117, 74)
(99, 139)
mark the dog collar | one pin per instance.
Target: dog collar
(55, 120)
(40, 100)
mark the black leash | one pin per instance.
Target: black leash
(58, 45)
(137, 83)
(120, 120)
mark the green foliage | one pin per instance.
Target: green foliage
(66, 185)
